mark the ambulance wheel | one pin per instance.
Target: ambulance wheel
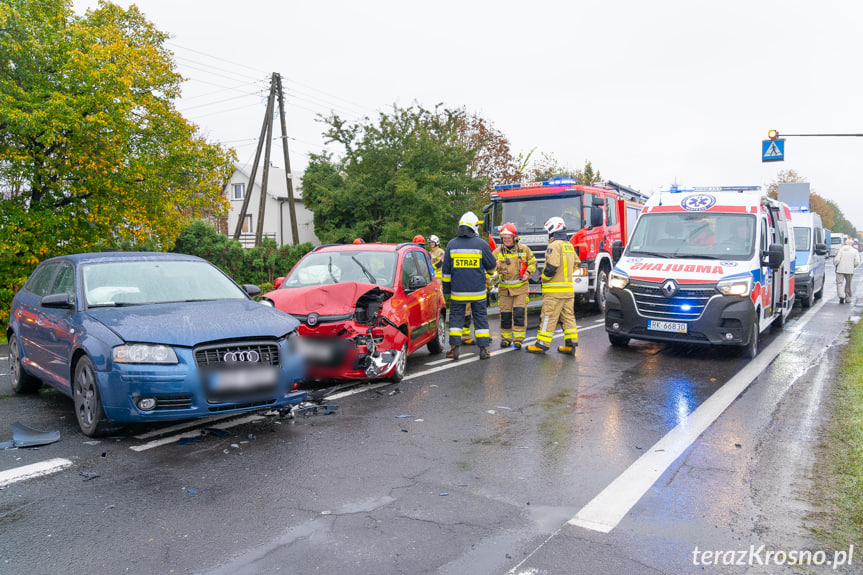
(808, 300)
(618, 340)
(820, 292)
(601, 296)
(751, 349)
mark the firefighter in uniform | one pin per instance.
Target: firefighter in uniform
(466, 260)
(558, 295)
(515, 264)
(436, 253)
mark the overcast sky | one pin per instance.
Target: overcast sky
(651, 92)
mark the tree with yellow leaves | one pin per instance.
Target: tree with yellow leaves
(92, 148)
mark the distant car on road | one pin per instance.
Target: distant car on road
(363, 309)
(146, 337)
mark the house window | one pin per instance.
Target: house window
(247, 225)
(239, 191)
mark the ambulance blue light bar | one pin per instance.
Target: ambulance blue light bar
(675, 189)
(554, 182)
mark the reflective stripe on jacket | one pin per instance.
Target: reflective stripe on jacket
(465, 262)
(560, 253)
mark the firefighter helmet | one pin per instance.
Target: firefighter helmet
(359, 241)
(470, 220)
(554, 224)
(418, 239)
(508, 229)
(435, 239)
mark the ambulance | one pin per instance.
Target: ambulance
(705, 265)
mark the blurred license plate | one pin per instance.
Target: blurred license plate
(316, 350)
(244, 379)
(672, 326)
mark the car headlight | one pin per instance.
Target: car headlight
(144, 353)
(735, 286)
(802, 269)
(618, 280)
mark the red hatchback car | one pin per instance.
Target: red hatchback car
(363, 308)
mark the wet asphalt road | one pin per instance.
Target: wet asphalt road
(470, 469)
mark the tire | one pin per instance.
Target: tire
(809, 300)
(22, 382)
(751, 349)
(437, 345)
(88, 401)
(401, 365)
(618, 340)
(820, 292)
(601, 296)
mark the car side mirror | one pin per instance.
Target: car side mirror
(821, 249)
(278, 283)
(252, 290)
(56, 301)
(774, 256)
(616, 250)
(417, 282)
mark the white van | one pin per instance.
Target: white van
(810, 263)
(837, 240)
(704, 265)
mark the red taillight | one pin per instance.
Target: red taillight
(296, 386)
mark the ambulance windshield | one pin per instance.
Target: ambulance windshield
(694, 235)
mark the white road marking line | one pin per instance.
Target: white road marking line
(197, 433)
(606, 510)
(187, 425)
(33, 470)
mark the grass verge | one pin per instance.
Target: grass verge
(840, 458)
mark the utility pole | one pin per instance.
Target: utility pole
(288, 175)
(259, 232)
(263, 138)
(267, 138)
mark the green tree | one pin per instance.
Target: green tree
(92, 149)
(406, 174)
(547, 167)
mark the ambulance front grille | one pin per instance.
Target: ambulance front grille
(687, 304)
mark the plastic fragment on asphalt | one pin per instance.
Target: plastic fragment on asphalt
(491, 412)
(190, 440)
(192, 491)
(403, 416)
(23, 436)
(88, 476)
(444, 494)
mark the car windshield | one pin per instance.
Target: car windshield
(694, 235)
(321, 268)
(150, 281)
(801, 239)
(529, 216)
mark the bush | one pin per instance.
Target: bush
(259, 265)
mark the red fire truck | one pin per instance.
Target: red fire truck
(595, 216)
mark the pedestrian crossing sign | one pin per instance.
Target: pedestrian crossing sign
(772, 150)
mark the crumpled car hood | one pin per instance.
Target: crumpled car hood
(190, 323)
(330, 299)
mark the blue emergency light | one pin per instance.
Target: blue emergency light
(554, 182)
(675, 189)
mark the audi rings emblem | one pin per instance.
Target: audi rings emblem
(250, 356)
(312, 319)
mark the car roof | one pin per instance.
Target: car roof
(364, 247)
(119, 256)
